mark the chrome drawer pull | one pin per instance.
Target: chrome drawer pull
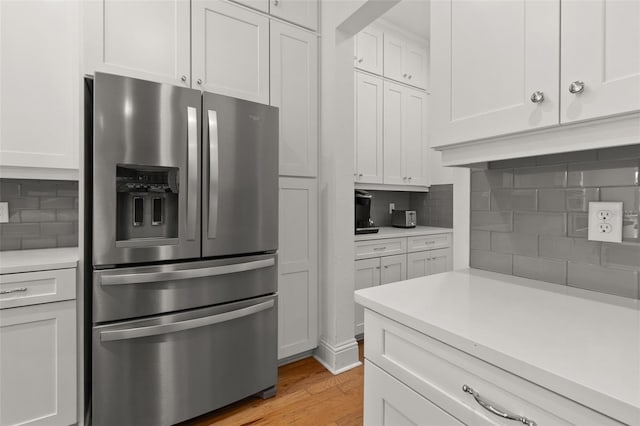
(13, 290)
(379, 248)
(497, 411)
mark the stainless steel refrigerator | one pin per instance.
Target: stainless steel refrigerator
(182, 202)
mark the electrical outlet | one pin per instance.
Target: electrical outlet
(4, 212)
(605, 221)
(392, 207)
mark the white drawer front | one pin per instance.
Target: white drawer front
(387, 402)
(429, 242)
(378, 248)
(31, 288)
(438, 372)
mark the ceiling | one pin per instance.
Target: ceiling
(412, 15)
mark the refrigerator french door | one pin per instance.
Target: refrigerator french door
(146, 171)
(240, 203)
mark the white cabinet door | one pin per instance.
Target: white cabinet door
(394, 111)
(394, 47)
(297, 267)
(40, 88)
(261, 5)
(393, 268)
(415, 59)
(230, 52)
(38, 364)
(367, 275)
(368, 50)
(388, 402)
(414, 140)
(600, 48)
(368, 131)
(440, 261)
(294, 90)
(418, 264)
(141, 39)
(488, 58)
(301, 12)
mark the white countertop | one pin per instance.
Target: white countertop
(391, 232)
(580, 344)
(15, 261)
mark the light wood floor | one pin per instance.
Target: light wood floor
(307, 395)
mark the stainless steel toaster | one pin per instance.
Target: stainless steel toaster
(403, 218)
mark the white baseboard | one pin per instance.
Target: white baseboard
(338, 359)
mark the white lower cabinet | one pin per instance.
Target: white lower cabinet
(38, 364)
(386, 261)
(388, 402)
(297, 267)
(423, 263)
(367, 275)
(425, 381)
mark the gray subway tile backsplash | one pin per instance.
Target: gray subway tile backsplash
(541, 177)
(545, 237)
(604, 173)
(492, 221)
(42, 214)
(604, 280)
(540, 223)
(514, 199)
(491, 261)
(537, 268)
(513, 243)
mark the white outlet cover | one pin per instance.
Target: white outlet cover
(615, 221)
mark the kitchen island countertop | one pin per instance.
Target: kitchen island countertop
(580, 344)
(16, 261)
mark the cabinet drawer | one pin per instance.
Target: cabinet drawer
(438, 372)
(31, 288)
(378, 248)
(388, 402)
(428, 242)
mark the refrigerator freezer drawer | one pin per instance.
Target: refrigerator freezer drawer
(149, 290)
(171, 368)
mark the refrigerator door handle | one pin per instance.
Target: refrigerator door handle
(192, 170)
(149, 277)
(213, 174)
(154, 330)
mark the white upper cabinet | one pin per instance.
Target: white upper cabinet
(368, 129)
(40, 89)
(404, 60)
(368, 50)
(405, 135)
(496, 66)
(230, 50)
(601, 53)
(301, 12)
(141, 39)
(294, 90)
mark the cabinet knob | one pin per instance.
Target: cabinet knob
(410, 76)
(404, 75)
(276, 2)
(183, 78)
(409, 178)
(576, 87)
(360, 174)
(377, 267)
(386, 267)
(537, 97)
(360, 60)
(199, 81)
